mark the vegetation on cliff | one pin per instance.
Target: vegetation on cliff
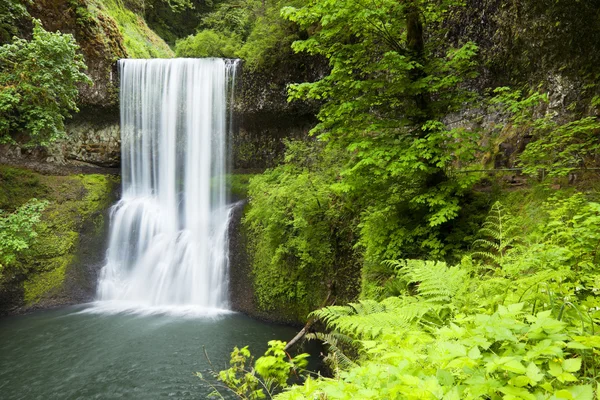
(251, 30)
(390, 191)
(46, 231)
(459, 286)
(39, 86)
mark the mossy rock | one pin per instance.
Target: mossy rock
(75, 202)
(43, 284)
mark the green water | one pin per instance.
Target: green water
(71, 354)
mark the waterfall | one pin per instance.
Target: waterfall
(168, 244)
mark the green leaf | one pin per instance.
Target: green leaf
(444, 377)
(554, 369)
(582, 392)
(534, 373)
(571, 364)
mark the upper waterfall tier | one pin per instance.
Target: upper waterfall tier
(168, 241)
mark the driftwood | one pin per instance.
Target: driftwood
(309, 323)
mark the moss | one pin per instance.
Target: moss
(73, 200)
(18, 186)
(45, 283)
(139, 40)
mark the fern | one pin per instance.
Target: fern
(369, 319)
(336, 359)
(434, 282)
(500, 232)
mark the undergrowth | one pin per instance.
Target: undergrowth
(516, 319)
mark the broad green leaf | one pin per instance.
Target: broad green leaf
(554, 368)
(534, 373)
(571, 364)
(444, 377)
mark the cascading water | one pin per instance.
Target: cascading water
(168, 240)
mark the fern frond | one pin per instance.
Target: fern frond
(500, 232)
(335, 358)
(488, 255)
(436, 281)
(369, 319)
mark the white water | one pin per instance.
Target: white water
(168, 241)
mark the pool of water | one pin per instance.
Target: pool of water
(84, 352)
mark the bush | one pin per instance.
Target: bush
(39, 86)
(209, 43)
(16, 230)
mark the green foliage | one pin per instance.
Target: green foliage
(380, 183)
(209, 43)
(560, 145)
(271, 36)
(269, 374)
(139, 40)
(237, 185)
(11, 13)
(17, 230)
(71, 202)
(520, 326)
(509, 354)
(299, 231)
(251, 30)
(39, 86)
(179, 5)
(383, 102)
(174, 23)
(234, 17)
(499, 232)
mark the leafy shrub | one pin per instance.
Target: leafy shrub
(208, 43)
(39, 80)
(520, 326)
(17, 230)
(251, 30)
(11, 12)
(559, 146)
(299, 229)
(269, 374)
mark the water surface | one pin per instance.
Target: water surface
(72, 353)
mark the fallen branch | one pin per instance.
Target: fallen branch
(309, 323)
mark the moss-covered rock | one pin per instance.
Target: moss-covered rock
(52, 271)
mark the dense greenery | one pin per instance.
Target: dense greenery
(251, 30)
(562, 143)
(39, 86)
(11, 12)
(520, 324)
(387, 178)
(381, 208)
(139, 40)
(17, 231)
(379, 183)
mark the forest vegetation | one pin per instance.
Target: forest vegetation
(426, 269)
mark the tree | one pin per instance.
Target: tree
(38, 86)
(393, 79)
